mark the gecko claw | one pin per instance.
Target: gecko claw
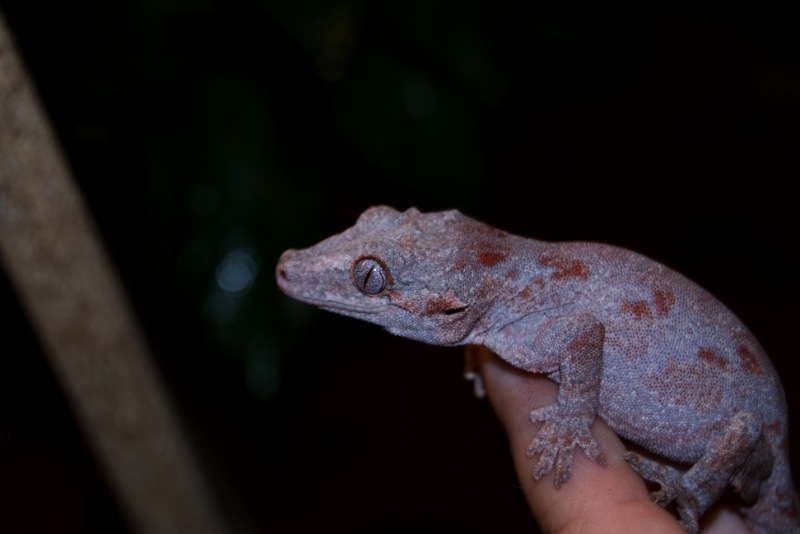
(672, 489)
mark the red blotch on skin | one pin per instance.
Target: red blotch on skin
(459, 265)
(589, 340)
(773, 427)
(400, 301)
(682, 379)
(639, 309)
(528, 290)
(436, 305)
(566, 268)
(749, 360)
(441, 303)
(511, 274)
(663, 300)
(490, 259)
(710, 355)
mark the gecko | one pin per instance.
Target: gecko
(665, 364)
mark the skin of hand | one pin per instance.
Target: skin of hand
(612, 499)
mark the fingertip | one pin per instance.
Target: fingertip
(592, 496)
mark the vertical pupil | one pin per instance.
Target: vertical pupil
(370, 276)
(373, 282)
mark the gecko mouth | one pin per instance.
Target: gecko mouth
(335, 306)
(346, 309)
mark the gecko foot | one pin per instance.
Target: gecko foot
(738, 455)
(672, 489)
(557, 439)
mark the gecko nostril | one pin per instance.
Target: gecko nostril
(282, 274)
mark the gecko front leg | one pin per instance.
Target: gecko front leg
(569, 350)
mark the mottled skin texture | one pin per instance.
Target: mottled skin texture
(664, 363)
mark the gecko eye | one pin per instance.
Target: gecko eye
(370, 275)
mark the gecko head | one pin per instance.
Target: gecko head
(393, 269)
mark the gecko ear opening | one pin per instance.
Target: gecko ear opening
(370, 275)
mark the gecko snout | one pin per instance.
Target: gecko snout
(282, 272)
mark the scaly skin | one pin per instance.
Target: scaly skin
(664, 363)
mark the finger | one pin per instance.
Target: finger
(595, 498)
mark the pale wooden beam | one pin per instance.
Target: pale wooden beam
(64, 279)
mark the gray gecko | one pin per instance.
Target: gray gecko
(658, 358)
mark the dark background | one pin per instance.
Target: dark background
(210, 136)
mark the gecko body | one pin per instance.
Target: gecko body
(663, 362)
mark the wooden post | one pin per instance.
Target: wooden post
(71, 294)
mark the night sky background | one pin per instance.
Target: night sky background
(209, 136)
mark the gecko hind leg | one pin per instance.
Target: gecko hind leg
(737, 455)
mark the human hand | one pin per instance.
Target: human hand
(612, 499)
